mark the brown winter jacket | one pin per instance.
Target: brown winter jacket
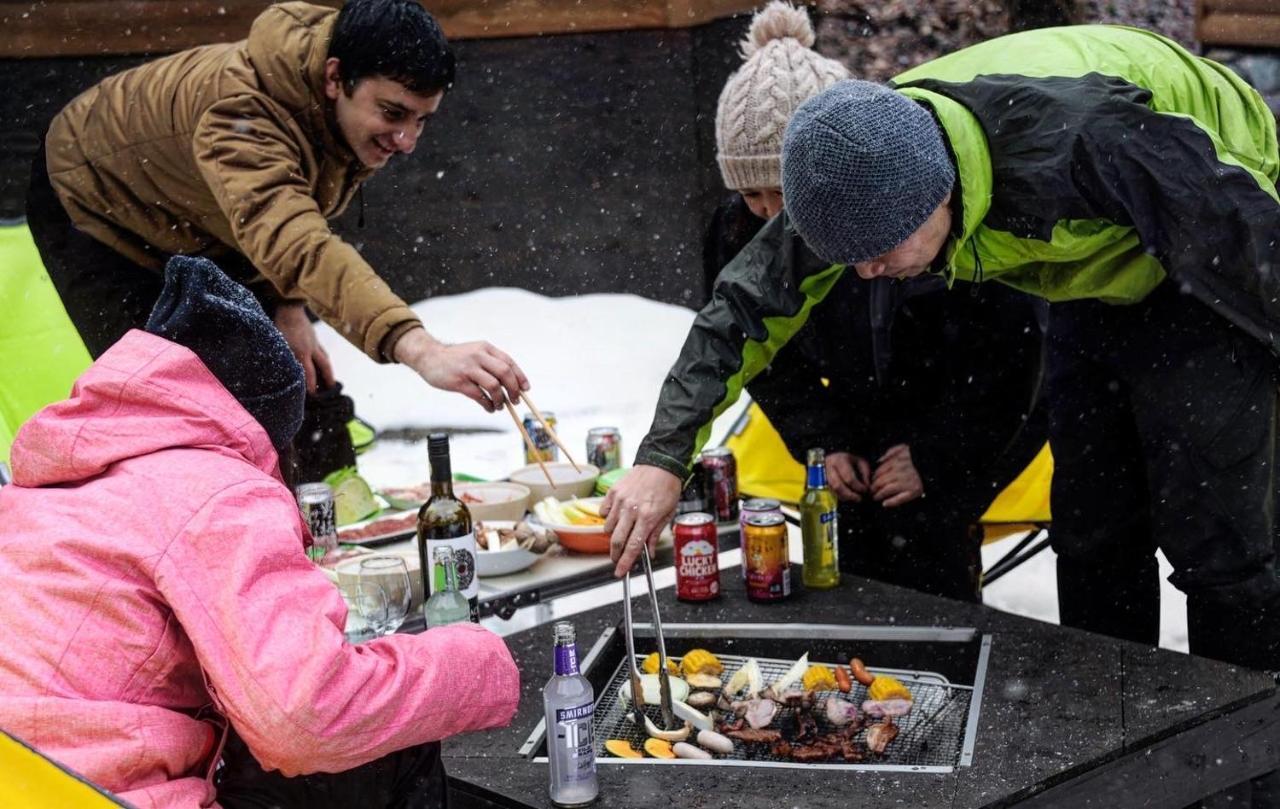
(229, 148)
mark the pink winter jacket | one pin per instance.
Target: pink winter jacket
(148, 536)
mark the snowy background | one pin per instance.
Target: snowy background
(594, 360)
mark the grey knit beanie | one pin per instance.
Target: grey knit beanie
(781, 71)
(863, 167)
(224, 325)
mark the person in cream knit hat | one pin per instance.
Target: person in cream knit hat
(865, 368)
(780, 73)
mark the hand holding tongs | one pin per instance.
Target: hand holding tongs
(664, 677)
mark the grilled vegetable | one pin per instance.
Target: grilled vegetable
(698, 680)
(622, 749)
(658, 748)
(700, 661)
(794, 673)
(689, 714)
(884, 687)
(650, 665)
(667, 735)
(702, 700)
(747, 677)
(819, 678)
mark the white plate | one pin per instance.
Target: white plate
(406, 530)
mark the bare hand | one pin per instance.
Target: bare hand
(291, 320)
(636, 509)
(847, 475)
(896, 480)
(477, 370)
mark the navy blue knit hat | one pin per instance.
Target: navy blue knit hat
(863, 167)
(224, 325)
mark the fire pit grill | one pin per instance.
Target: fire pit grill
(937, 736)
(928, 737)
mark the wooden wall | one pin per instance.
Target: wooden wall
(108, 27)
(1246, 23)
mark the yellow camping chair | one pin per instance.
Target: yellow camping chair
(766, 469)
(28, 780)
(41, 353)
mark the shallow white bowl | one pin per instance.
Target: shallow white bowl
(503, 563)
(499, 501)
(569, 483)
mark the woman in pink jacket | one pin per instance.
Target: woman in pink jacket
(158, 601)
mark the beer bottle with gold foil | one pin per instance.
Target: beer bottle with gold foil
(818, 529)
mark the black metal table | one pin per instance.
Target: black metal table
(1067, 719)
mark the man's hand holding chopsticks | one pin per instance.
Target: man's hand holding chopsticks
(636, 510)
(477, 370)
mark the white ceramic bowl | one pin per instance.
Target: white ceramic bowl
(569, 483)
(503, 563)
(494, 501)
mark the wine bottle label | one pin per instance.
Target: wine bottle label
(464, 556)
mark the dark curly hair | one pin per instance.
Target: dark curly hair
(395, 39)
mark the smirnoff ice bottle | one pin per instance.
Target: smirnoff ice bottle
(569, 703)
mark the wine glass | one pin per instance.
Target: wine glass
(365, 606)
(391, 575)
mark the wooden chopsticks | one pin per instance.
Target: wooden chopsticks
(551, 432)
(528, 441)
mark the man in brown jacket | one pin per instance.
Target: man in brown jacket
(242, 152)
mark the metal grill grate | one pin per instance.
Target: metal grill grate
(930, 738)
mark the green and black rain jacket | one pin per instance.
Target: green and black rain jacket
(1093, 161)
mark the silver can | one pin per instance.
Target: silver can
(604, 448)
(315, 500)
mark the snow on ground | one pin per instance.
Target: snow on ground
(594, 360)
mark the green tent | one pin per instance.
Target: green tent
(41, 353)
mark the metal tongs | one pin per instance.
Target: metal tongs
(664, 677)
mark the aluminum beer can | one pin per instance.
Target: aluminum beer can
(604, 448)
(546, 448)
(315, 500)
(722, 483)
(693, 497)
(765, 558)
(756, 505)
(697, 557)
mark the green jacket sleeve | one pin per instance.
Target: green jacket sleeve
(761, 300)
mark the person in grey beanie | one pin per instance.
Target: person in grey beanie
(1134, 185)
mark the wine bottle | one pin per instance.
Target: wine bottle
(444, 521)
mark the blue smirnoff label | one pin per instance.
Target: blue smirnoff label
(574, 733)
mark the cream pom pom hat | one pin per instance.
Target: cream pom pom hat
(781, 72)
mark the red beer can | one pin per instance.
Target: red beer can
(721, 470)
(697, 559)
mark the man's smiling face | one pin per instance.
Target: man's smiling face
(379, 117)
